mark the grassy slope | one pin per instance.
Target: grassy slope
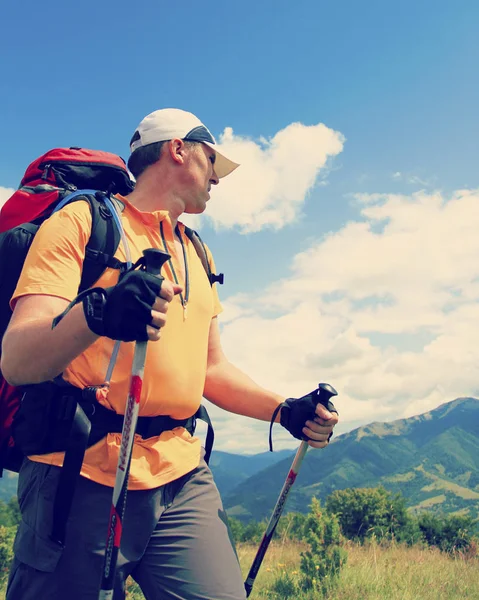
(371, 573)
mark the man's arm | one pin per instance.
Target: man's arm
(231, 389)
(33, 352)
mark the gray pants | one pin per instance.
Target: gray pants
(176, 542)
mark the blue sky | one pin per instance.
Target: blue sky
(334, 238)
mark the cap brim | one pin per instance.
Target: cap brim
(223, 166)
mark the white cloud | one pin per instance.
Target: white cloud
(275, 176)
(416, 278)
(193, 221)
(5, 194)
(412, 179)
(415, 180)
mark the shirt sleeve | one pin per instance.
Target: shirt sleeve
(54, 261)
(217, 306)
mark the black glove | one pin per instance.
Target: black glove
(296, 411)
(123, 311)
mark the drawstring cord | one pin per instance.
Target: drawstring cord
(273, 418)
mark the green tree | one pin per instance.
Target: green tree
(253, 531)
(363, 512)
(450, 533)
(410, 532)
(458, 533)
(236, 528)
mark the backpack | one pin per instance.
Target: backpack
(53, 179)
(56, 178)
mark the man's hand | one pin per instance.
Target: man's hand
(160, 308)
(132, 310)
(310, 418)
(321, 428)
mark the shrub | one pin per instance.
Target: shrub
(410, 533)
(363, 512)
(291, 526)
(253, 532)
(285, 586)
(9, 513)
(450, 533)
(321, 564)
(7, 535)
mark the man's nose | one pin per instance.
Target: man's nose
(214, 178)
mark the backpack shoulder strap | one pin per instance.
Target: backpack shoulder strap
(104, 239)
(102, 245)
(200, 249)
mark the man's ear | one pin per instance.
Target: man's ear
(176, 149)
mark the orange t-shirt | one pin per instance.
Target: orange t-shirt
(175, 368)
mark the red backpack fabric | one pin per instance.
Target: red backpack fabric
(58, 172)
(47, 181)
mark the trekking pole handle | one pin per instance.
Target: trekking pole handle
(154, 260)
(325, 393)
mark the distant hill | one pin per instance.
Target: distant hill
(232, 469)
(432, 459)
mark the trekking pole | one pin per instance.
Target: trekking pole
(325, 391)
(154, 260)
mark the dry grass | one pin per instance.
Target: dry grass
(372, 572)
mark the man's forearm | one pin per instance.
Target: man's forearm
(34, 352)
(230, 389)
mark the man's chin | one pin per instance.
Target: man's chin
(198, 210)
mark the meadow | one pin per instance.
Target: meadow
(380, 552)
(373, 572)
(376, 572)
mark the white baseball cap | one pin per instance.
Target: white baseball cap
(170, 123)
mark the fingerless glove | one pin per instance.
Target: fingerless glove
(123, 311)
(296, 411)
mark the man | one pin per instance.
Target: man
(175, 540)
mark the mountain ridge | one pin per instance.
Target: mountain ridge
(441, 445)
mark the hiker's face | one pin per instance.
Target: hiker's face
(200, 177)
